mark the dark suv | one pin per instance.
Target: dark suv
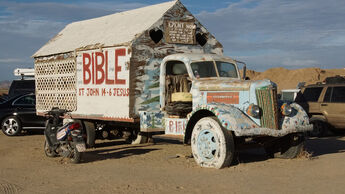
(19, 87)
(325, 105)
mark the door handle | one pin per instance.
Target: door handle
(324, 104)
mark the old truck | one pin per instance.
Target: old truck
(157, 69)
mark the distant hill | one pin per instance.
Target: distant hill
(5, 84)
(288, 79)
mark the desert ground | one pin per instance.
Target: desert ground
(167, 167)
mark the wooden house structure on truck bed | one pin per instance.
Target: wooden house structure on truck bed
(107, 68)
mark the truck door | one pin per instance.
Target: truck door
(333, 106)
(310, 99)
(178, 99)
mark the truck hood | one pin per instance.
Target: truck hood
(230, 85)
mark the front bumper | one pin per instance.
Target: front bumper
(273, 132)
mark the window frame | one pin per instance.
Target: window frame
(16, 100)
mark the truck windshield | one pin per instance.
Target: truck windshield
(206, 69)
(226, 69)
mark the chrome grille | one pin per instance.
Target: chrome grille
(267, 101)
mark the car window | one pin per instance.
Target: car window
(328, 94)
(312, 94)
(26, 100)
(338, 94)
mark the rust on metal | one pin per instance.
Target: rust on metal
(223, 97)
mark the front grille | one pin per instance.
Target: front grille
(267, 101)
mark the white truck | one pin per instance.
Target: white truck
(157, 69)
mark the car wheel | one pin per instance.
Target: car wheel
(212, 145)
(318, 128)
(11, 126)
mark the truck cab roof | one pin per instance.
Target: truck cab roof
(188, 58)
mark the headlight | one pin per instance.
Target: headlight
(286, 109)
(253, 110)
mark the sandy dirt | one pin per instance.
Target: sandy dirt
(166, 167)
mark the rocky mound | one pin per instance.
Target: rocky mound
(288, 79)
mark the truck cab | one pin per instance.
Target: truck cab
(204, 98)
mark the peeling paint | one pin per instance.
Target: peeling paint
(233, 119)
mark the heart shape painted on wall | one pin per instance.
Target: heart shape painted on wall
(201, 38)
(156, 35)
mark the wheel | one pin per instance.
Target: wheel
(90, 130)
(75, 156)
(11, 126)
(140, 139)
(288, 147)
(48, 151)
(212, 145)
(318, 128)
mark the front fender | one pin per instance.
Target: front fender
(298, 118)
(230, 117)
(233, 119)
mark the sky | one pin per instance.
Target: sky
(263, 33)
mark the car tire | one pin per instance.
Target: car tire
(319, 128)
(212, 145)
(11, 126)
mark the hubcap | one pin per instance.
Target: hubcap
(207, 145)
(10, 126)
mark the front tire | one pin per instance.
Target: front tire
(48, 151)
(212, 145)
(11, 126)
(75, 155)
(288, 147)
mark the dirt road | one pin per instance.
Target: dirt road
(115, 167)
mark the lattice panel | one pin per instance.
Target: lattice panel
(56, 84)
(66, 83)
(45, 101)
(46, 83)
(44, 68)
(66, 67)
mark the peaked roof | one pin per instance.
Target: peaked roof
(115, 29)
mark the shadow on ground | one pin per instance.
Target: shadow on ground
(32, 132)
(103, 152)
(325, 145)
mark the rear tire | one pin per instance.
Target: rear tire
(75, 155)
(212, 145)
(11, 126)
